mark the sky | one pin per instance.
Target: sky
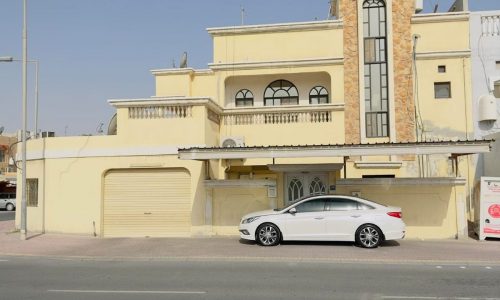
(95, 50)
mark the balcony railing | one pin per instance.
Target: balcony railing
(160, 112)
(490, 25)
(280, 115)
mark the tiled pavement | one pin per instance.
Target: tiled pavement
(232, 248)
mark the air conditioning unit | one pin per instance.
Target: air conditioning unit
(232, 141)
(487, 108)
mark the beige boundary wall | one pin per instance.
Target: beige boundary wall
(70, 200)
(433, 208)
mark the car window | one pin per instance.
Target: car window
(362, 206)
(341, 204)
(311, 206)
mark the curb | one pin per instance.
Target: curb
(246, 259)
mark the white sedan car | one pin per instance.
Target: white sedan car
(325, 218)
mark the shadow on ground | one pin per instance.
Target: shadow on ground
(320, 243)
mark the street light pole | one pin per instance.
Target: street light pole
(36, 63)
(25, 123)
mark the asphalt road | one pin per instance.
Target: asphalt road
(44, 278)
(7, 215)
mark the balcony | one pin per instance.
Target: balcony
(286, 125)
(280, 115)
(490, 25)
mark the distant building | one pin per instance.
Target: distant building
(7, 167)
(377, 102)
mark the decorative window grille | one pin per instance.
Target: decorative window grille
(317, 187)
(295, 190)
(281, 92)
(318, 95)
(32, 192)
(244, 97)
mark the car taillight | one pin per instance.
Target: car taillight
(395, 214)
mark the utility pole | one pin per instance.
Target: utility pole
(24, 188)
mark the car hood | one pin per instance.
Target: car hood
(261, 213)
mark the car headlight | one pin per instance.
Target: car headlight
(249, 220)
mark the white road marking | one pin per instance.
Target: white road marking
(3, 260)
(438, 298)
(125, 292)
(463, 267)
(439, 267)
(488, 268)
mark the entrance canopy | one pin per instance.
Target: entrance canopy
(453, 148)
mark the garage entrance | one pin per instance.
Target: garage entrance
(147, 203)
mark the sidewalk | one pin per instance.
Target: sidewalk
(232, 248)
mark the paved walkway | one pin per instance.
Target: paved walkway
(232, 248)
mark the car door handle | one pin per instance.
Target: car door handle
(319, 218)
(355, 216)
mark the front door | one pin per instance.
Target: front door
(299, 185)
(308, 223)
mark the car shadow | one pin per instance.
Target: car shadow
(323, 243)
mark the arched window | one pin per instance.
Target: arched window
(317, 187)
(295, 190)
(318, 95)
(244, 97)
(281, 92)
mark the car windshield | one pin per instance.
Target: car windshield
(291, 203)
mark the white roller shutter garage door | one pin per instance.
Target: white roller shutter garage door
(147, 203)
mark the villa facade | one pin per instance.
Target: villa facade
(376, 103)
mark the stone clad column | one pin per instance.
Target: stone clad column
(349, 10)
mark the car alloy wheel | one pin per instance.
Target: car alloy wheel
(268, 235)
(9, 207)
(369, 236)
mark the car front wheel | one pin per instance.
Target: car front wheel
(268, 235)
(369, 236)
(9, 207)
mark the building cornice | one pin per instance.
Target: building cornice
(310, 62)
(440, 17)
(237, 183)
(382, 182)
(378, 164)
(155, 101)
(444, 54)
(183, 71)
(104, 152)
(280, 27)
(284, 109)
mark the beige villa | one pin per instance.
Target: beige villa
(375, 102)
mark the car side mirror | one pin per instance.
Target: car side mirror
(292, 210)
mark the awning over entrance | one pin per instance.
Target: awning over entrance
(453, 148)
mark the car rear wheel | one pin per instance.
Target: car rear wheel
(9, 207)
(369, 236)
(268, 235)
